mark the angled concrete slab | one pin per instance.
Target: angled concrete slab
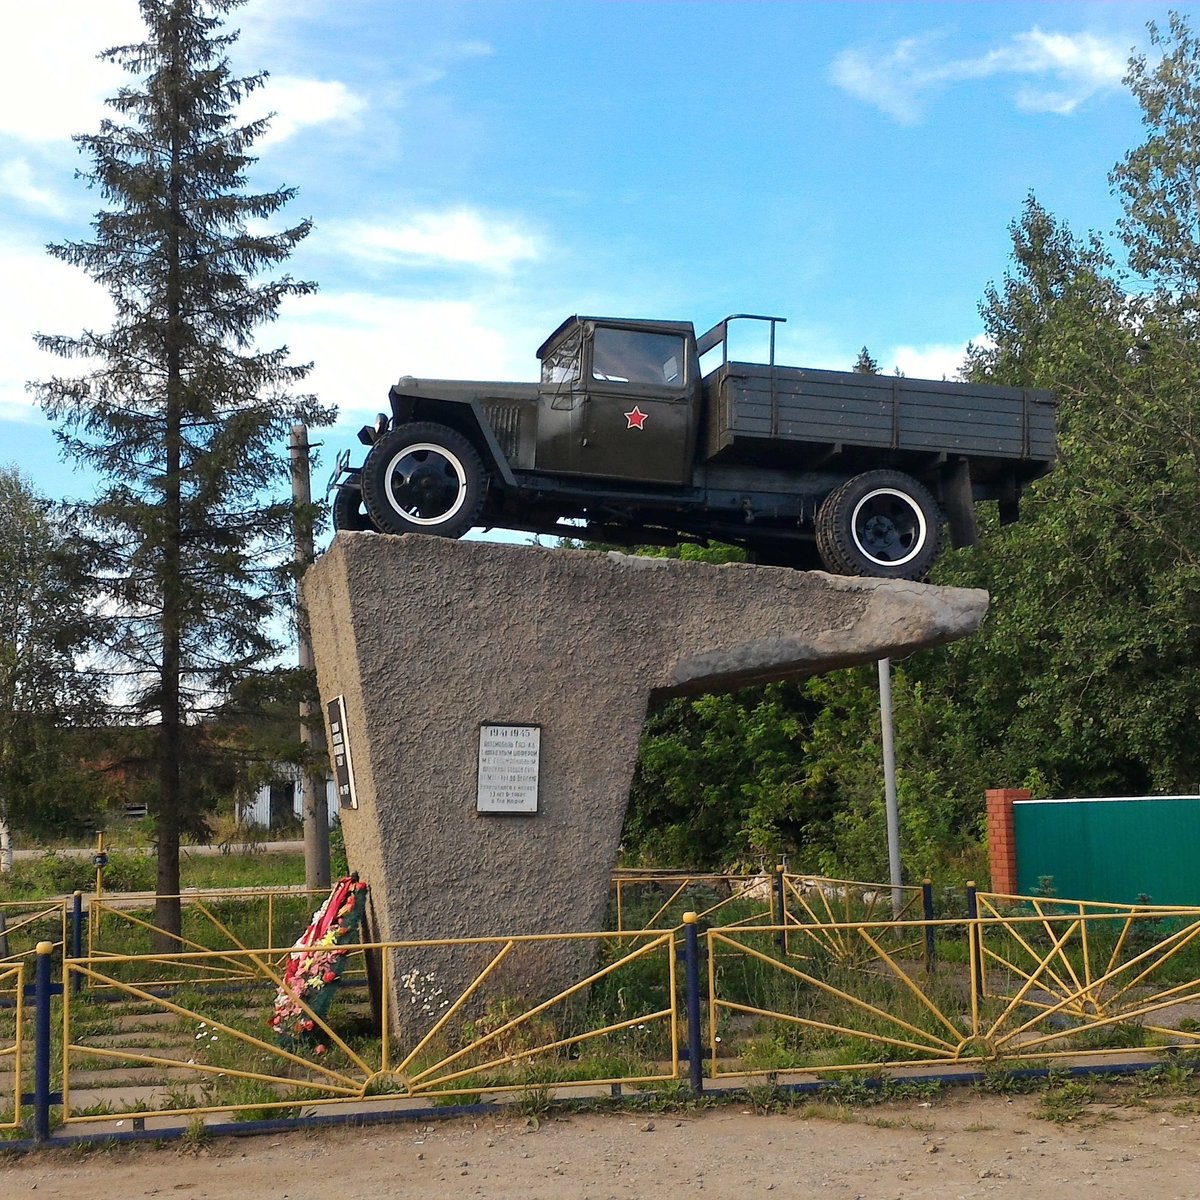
(427, 640)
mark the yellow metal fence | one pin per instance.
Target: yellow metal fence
(837, 985)
(187, 1049)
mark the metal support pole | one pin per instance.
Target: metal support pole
(779, 913)
(691, 950)
(76, 937)
(889, 785)
(975, 939)
(99, 861)
(927, 916)
(41, 1060)
(312, 731)
(3, 935)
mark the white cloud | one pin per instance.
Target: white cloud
(930, 362)
(458, 237)
(297, 103)
(52, 85)
(17, 181)
(1055, 72)
(362, 343)
(40, 295)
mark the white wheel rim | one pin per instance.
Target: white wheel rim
(911, 506)
(450, 458)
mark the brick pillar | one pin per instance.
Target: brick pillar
(1002, 843)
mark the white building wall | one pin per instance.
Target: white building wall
(257, 811)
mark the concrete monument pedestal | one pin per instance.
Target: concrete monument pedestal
(427, 640)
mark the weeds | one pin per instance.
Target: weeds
(999, 1080)
(1065, 1102)
(769, 1097)
(196, 1136)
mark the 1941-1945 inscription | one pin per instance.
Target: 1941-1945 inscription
(509, 758)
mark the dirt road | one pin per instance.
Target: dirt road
(960, 1145)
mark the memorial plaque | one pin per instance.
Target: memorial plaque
(339, 753)
(509, 758)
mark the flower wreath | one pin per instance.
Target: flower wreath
(315, 964)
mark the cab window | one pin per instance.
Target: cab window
(627, 356)
(561, 365)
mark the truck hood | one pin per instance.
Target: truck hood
(463, 390)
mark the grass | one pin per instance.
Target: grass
(1066, 1102)
(54, 875)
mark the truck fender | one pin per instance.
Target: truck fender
(466, 416)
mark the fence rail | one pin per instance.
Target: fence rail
(784, 976)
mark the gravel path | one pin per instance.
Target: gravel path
(962, 1145)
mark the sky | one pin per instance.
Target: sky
(478, 171)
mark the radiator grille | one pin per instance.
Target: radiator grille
(505, 420)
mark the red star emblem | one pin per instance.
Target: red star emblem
(636, 418)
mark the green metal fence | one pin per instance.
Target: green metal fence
(1126, 851)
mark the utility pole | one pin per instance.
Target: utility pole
(312, 728)
(889, 784)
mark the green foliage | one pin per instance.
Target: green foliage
(718, 779)
(338, 863)
(45, 630)
(1157, 180)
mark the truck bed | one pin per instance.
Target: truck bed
(754, 408)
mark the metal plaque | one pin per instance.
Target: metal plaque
(509, 758)
(339, 753)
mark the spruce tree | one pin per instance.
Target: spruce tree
(864, 364)
(182, 417)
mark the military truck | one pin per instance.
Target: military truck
(625, 441)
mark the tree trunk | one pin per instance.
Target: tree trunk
(6, 847)
(167, 916)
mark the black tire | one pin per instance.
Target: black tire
(349, 510)
(882, 524)
(424, 478)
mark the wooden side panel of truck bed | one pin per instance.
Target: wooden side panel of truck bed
(752, 406)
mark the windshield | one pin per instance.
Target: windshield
(626, 356)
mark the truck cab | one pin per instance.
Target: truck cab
(602, 381)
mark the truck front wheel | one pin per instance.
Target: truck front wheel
(424, 478)
(882, 524)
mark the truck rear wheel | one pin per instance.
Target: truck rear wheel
(349, 510)
(424, 478)
(882, 524)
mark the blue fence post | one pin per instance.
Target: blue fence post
(691, 949)
(974, 938)
(927, 916)
(778, 912)
(41, 1052)
(76, 938)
